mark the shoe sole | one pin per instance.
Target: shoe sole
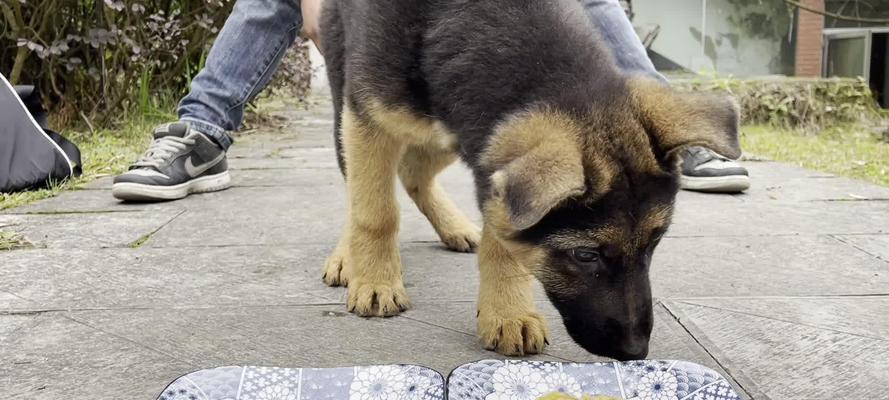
(716, 184)
(129, 191)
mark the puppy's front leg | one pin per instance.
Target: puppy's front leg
(375, 287)
(508, 321)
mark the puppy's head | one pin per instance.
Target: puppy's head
(584, 200)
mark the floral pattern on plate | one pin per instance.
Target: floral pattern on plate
(386, 382)
(483, 380)
(639, 380)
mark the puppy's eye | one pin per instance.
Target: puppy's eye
(585, 256)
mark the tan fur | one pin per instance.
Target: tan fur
(418, 169)
(376, 287)
(630, 237)
(378, 145)
(338, 266)
(658, 218)
(607, 234)
(410, 128)
(508, 321)
(686, 119)
(539, 154)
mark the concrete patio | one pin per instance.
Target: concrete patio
(784, 289)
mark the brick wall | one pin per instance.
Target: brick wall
(809, 40)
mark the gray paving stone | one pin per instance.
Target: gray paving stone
(718, 217)
(792, 361)
(275, 216)
(877, 245)
(287, 153)
(95, 201)
(764, 266)
(53, 357)
(11, 325)
(289, 164)
(772, 181)
(308, 180)
(310, 336)
(9, 301)
(859, 316)
(76, 230)
(308, 134)
(149, 278)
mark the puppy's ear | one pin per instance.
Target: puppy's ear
(675, 120)
(531, 186)
(538, 164)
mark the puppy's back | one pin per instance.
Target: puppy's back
(484, 59)
(468, 63)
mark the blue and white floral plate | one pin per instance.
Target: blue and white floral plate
(635, 380)
(483, 380)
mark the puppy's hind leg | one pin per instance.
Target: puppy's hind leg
(417, 170)
(376, 287)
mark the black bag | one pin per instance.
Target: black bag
(31, 156)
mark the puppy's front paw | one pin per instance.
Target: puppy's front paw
(337, 268)
(513, 335)
(377, 299)
(464, 238)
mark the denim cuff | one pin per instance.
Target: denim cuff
(215, 132)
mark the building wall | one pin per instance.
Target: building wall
(724, 48)
(810, 40)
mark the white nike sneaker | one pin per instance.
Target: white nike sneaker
(179, 162)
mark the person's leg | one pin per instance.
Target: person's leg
(189, 156)
(616, 29)
(702, 169)
(240, 64)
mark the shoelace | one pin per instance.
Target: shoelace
(702, 155)
(161, 149)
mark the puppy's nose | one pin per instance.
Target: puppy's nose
(635, 349)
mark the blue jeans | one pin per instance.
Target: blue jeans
(259, 32)
(617, 30)
(242, 60)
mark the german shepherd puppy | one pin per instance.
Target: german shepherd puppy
(575, 164)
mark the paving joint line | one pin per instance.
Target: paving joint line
(126, 339)
(74, 212)
(329, 303)
(744, 383)
(750, 314)
(138, 243)
(859, 248)
(802, 297)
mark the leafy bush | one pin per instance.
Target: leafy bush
(807, 104)
(101, 58)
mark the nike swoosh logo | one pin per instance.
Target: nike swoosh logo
(194, 171)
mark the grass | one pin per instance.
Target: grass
(13, 241)
(105, 152)
(850, 151)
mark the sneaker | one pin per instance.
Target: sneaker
(706, 171)
(179, 162)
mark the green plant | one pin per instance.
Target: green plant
(13, 241)
(805, 104)
(101, 59)
(846, 149)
